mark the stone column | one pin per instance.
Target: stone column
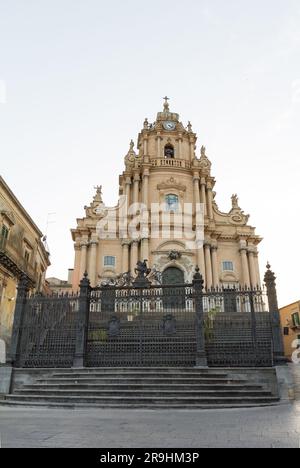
(252, 268)
(83, 257)
(145, 145)
(136, 188)
(145, 249)
(127, 190)
(125, 256)
(93, 262)
(196, 180)
(76, 276)
(201, 261)
(146, 188)
(278, 345)
(201, 358)
(215, 265)
(209, 201)
(245, 267)
(257, 267)
(208, 267)
(134, 255)
(203, 194)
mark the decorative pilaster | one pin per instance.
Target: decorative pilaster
(128, 190)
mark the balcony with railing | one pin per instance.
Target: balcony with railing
(12, 257)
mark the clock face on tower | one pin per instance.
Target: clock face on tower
(169, 126)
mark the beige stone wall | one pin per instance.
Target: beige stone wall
(286, 322)
(22, 252)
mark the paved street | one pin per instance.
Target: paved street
(262, 427)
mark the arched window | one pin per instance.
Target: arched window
(172, 203)
(169, 152)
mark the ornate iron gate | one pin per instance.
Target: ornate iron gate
(129, 326)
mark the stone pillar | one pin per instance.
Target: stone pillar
(210, 201)
(82, 323)
(145, 145)
(201, 359)
(76, 275)
(196, 180)
(208, 267)
(134, 251)
(125, 256)
(278, 347)
(146, 189)
(83, 257)
(257, 268)
(14, 354)
(145, 249)
(127, 191)
(201, 262)
(245, 267)
(252, 268)
(136, 184)
(215, 265)
(203, 194)
(93, 262)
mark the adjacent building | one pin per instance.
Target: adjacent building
(22, 252)
(167, 170)
(290, 321)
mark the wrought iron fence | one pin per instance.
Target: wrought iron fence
(141, 324)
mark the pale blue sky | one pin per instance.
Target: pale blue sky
(81, 76)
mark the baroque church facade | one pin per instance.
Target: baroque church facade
(166, 170)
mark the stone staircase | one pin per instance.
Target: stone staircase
(140, 388)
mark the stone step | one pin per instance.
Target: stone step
(135, 406)
(140, 386)
(144, 381)
(143, 393)
(141, 400)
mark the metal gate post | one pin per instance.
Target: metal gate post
(82, 322)
(270, 280)
(198, 285)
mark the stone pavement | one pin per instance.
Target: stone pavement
(296, 374)
(260, 427)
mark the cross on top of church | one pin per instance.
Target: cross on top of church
(166, 104)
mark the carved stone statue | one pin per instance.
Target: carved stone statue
(235, 202)
(175, 255)
(142, 269)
